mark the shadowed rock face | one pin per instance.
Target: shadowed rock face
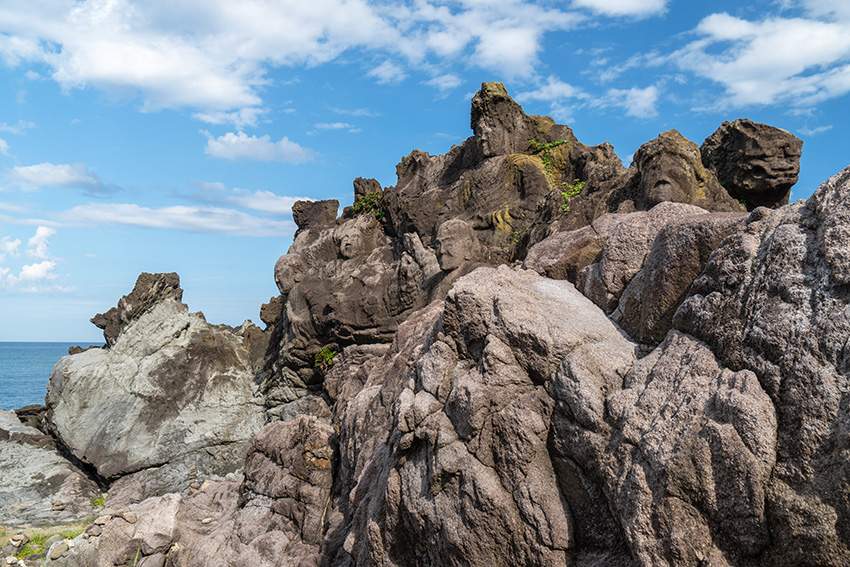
(754, 162)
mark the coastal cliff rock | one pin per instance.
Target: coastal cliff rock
(171, 400)
(475, 368)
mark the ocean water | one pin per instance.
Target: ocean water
(25, 369)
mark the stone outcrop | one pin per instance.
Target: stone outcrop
(658, 378)
(171, 400)
(754, 162)
(40, 486)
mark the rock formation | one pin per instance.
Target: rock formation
(755, 163)
(170, 400)
(482, 366)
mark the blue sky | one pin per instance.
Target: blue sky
(174, 135)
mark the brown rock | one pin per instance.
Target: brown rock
(307, 214)
(755, 163)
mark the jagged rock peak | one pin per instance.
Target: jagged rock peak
(756, 163)
(150, 289)
(502, 128)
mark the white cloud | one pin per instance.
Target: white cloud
(241, 147)
(213, 56)
(4, 147)
(563, 98)
(387, 73)
(795, 60)
(9, 246)
(58, 175)
(265, 201)
(445, 82)
(355, 112)
(239, 118)
(633, 8)
(19, 127)
(188, 219)
(37, 245)
(806, 131)
(640, 103)
(335, 126)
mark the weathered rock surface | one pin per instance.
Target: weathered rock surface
(678, 255)
(773, 300)
(625, 252)
(39, 486)
(754, 162)
(669, 168)
(464, 414)
(173, 398)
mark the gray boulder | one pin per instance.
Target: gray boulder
(755, 163)
(39, 485)
(173, 399)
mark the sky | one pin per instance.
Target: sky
(174, 135)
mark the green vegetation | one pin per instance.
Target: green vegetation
(98, 501)
(569, 191)
(370, 203)
(544, 152)
(324, 359)
(33, 546)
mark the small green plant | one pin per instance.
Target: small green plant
(33, 546)
(324, 359)
(98, 501)
(544, 151)
(569, 191)
(370, 203)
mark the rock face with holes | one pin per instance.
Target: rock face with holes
(173, 397)
(754, 162)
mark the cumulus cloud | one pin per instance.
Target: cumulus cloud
(210, 220)
(795, 60)
(213, 57)
(77, 175)
(632, 8)
(37, 245)
(9, 246)
(445, 82)
(640, 103)
(242, 147)
(563, 98)
(4, 147)
(388, 73)
(37, 277)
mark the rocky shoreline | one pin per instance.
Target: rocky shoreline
(523, 353)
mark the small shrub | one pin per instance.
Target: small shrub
(370, 203)
(570, 191)
(98, 501)
(324, 359)
(33, 546)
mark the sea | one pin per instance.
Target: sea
(25, 369)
